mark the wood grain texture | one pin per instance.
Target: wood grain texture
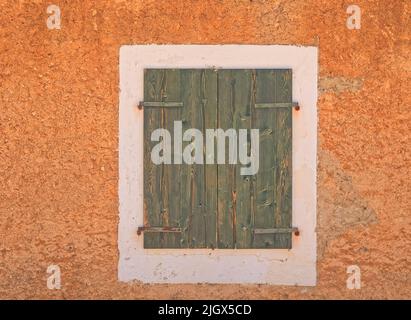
(226, 172)
(214, 205)
(162, 189)
(209, 105)
(176, 194)
(265, 179)
(234, 197)
(199, 193)
(273, 181)
(153, 82)
(283, 146)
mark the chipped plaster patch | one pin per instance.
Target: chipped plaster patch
(339, 84)
(342, 207)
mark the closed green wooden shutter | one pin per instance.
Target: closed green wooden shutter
(210, 205)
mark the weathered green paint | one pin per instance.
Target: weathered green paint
(273, 181)
(175, 195)
(199, 95)
(152, 89)
(161, 183)
(209, 107)
(265, 179)
(214, 205)
(234, 205)
(226, 173)
(283, 130)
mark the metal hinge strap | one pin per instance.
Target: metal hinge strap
(276, 230)
(157, 229)
(277, 105)
(159, 104)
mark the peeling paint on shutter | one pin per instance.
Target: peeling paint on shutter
(272, 185)
(210, 205)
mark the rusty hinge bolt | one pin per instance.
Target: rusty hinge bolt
(140, 105)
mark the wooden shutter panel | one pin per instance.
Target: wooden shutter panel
(235, 94)
(253, 210)
(213, 206)
(179, 196)
(272, 188)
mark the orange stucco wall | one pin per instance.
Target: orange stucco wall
(59, 139)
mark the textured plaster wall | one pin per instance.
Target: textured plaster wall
(59, 139)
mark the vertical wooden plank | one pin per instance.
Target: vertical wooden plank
(283, 134)
(162, 182)
(265, 180)
(198, 193)
(235, 91)
(253, 179)
(153, 80)
(226, 172)
(171, 180)
(209, 111)
(192, 195)
(186, 171)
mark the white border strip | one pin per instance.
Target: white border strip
(282, 267)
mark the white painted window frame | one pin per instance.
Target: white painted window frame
(296, 266)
